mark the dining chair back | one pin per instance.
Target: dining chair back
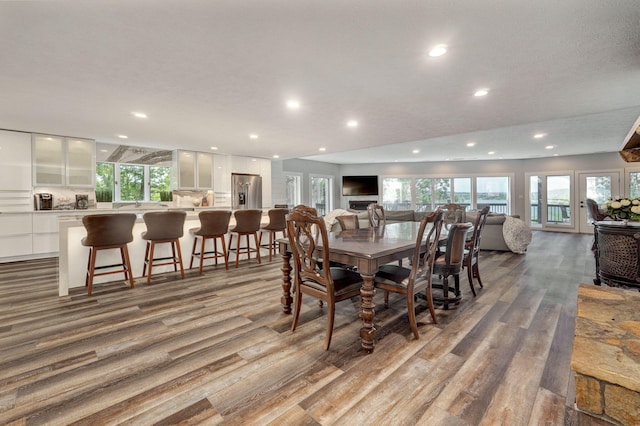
(307, 232)
(105, 232)
(472, 249)
(376, 215)
(349, 221)
(214, 225)
(412, 281)
(454, 213)
(449, 263)
(594, 212)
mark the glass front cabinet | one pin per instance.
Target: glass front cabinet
(59, 161)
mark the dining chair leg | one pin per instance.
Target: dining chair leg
(331, 313)
(469, 268)
(296, 310)
(411, 310)
(432, 310)
(476, 272)
(386, 298)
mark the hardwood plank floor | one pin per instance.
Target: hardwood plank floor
(217, 349)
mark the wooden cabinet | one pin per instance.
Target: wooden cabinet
(59, 161)
(193, 170)
(15, 161)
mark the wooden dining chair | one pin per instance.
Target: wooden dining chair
(454, 213)
(349, 221)
(450, 262)
(472, 249)
(376, 215)
(324, 282)
(411, 281)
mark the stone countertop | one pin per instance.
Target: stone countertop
(607, 335)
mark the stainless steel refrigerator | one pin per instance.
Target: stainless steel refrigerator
(246, 191)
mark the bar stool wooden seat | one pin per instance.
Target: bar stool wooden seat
(163, 227)
(214, 225)
(105, 232)
(277, 223)
(247, 223)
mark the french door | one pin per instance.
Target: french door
(599, 187)
(549, 200)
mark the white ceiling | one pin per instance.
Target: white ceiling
(209, 73)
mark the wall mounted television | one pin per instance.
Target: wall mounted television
(359, 185)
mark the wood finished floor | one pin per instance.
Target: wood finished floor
(217, 349)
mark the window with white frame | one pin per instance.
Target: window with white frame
(428, 193)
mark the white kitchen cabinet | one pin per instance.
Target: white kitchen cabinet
(81, 160)
(221, 180)
(59, 161)
(248, 165)
(265, 172)
(15, 234)
(48, 160)
(45, 232)
(192, 170)
(204, 163)
(15, 161)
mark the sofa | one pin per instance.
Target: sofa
(492, 235)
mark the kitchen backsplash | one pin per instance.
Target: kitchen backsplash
(65, 198)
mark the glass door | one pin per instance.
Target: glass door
(599, 187)
(549, 200)
(321, 194)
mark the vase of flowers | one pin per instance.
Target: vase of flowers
(623, 208)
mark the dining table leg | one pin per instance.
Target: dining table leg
(368, 330)
(286, 269)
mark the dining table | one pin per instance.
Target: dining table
(366, 249)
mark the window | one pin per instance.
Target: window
(104, 182)
(431, 192)
(549, 200)
(159, 183)
(396, 193)
(321, 194)
(493, 192)
(634, 184)
(293, 190)
(130, 185)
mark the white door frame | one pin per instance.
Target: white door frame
(617, 177)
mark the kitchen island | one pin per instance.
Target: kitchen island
(73, 255)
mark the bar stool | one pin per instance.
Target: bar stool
(104, 232)
(277, 223)
(214, 225)
(163, 227)
(247, 223)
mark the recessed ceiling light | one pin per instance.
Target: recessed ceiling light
(415, 151)
(352, 123)
(438, 50)
(123, 136)
(539, 135)
(491, 152)
(293, 104)
(471, 144)
(253, 159)
(481, 92)
(549, 147)
(139, 114)
(214, 148)
(104, 150)
(276, 156)
(555, 155)
(322, 148)
(253, 136)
